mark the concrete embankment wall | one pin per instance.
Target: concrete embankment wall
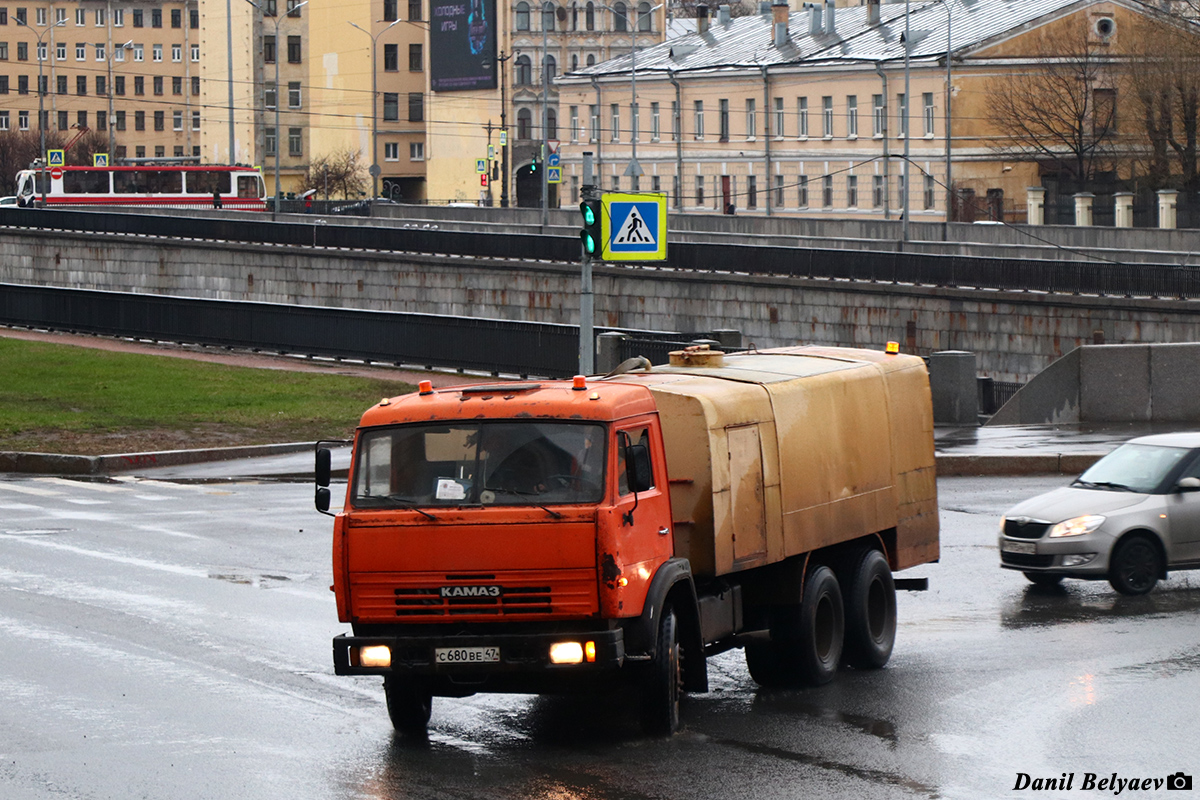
(1014, 334)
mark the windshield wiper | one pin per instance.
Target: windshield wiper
(1104, 485)
(395, 498)
(525, 495)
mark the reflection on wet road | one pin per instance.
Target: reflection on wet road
(164, 640)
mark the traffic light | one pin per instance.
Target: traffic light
(590, 235)
(533, 165)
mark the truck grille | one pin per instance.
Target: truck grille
(429, 597)
(1025, 529)
(512, 600)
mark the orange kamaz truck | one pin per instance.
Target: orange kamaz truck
(572, 535)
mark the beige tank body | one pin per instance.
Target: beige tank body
(781, 452)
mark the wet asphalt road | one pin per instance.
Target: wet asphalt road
(168, 640)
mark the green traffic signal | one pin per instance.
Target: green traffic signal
(590, 235)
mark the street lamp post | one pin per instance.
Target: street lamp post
(112, 137)
(278, 138)
(374, 107)
(502, 60)
(545, 114)
(41, 94)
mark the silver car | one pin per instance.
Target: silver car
(1131, 517)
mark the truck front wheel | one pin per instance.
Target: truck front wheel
(870, 613)
(662, 688)
(409, 705)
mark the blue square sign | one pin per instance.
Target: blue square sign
(634, 227)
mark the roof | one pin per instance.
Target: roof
(748, 42)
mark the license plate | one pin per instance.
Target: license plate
(466, 655)
(1026, 548)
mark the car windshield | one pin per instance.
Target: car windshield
(480, 463)
(1133, 467)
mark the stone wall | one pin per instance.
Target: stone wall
(1014, 334)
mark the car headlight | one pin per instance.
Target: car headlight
(1076, 526)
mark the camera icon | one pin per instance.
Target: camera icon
(1179, 781)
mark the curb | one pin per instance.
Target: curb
(1025, 464)
(54, 464)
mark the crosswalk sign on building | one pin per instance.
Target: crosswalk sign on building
(633, 227)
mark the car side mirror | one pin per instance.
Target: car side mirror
(1188, 484)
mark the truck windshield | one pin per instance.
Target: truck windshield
(480, 463)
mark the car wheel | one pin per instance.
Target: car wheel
(1042, 579)
(870, 613)
(409, 705)
(1135, 566)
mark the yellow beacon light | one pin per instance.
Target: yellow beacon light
(892, 348)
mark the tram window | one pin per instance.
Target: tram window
(249, 187)
(204, 182)
(165, 182)
(130, 183)
(85, 182)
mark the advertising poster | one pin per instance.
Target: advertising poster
(462, 41)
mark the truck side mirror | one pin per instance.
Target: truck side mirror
(638, 473)
(322, 499)
(323, 468)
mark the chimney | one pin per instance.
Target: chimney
(872, 12)
(723, 15)
(702, 18)
(779, 12)
(830, 21)
(814, 18)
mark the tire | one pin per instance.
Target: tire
(1135, 566)
(662, 688)
(870, 601)
(1043, 580)
(806, 639)
(409, 705)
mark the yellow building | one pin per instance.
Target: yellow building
(806, 112)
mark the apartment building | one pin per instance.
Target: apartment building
(132, 69)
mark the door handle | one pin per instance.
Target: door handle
(663, 531)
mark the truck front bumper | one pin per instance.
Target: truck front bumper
(477, 658)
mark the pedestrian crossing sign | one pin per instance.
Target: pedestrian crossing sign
(633, 227)
(99, 159)
(55, 158)
(554, 175)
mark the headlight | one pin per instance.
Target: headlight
(1003, 520)
(1077, 526)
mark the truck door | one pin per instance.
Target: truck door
(643, 545)
(746, 492)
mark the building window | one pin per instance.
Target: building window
(269, 143)
(292, 11)
(22, 84)
(551, 123)
(295, 142)
(176, 120)
(802, 117)
(589, 17)
(1104, 105)
(139, 120)
(655, 123)
(547, 15)
(700, 190)
(119, 85)
(675, 121)
(779, 117)
(81, 84)
(138, 18)
(929, 188)
(195, 54)
(160, 120)
(522, 16)
(3, 84)
(269, 50)
(178, 151)
(3, 120)
(524, 124)
(802, 194)
(177, 85)
(81, 120)
(391, 106)
(698, 119)
(644, 20)
(139, 53)
(391, 151)
(62, 84)
(269, 95)
(119, 120)
(852, 117)
(902, 112)
(195, 120)
(156, 18)
(416, 58)
(22, 51)
(195, 85)
(157, 52)
(101, 85)
(416, 107)
(723, 120)
(176, 53)
(100, 17)
(574, 112)
(139, 151)
(293, 49)
(158, 85)
(594, 115)
(416, 151)
(391, 58)
(878, 115)
(927, 99)
(751, 191)
(827, 117)
(751, 120)
(80, 52)
(620, 18)
(614, 113)
(294, 94)
(852, 191)
(414, 15)
(550, 69)
(877, 190)
(900, 191)
(60, 51)
(390, 12)
(176, 18)
(22, 120)
(524, 71)
(40, 17)
(827, 191)
(100, 54)
(118, 18)
(194, 19)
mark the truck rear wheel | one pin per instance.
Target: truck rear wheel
(870, 613)
(409, 705)
(806, 639)
(662, 688)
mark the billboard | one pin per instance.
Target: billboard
(462, 44)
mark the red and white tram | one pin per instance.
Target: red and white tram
(239, 188)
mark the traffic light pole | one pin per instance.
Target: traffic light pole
(587, 311)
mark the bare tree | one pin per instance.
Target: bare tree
(1166, 88)
(19, 149)
(338, 173)
(1061, 108)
